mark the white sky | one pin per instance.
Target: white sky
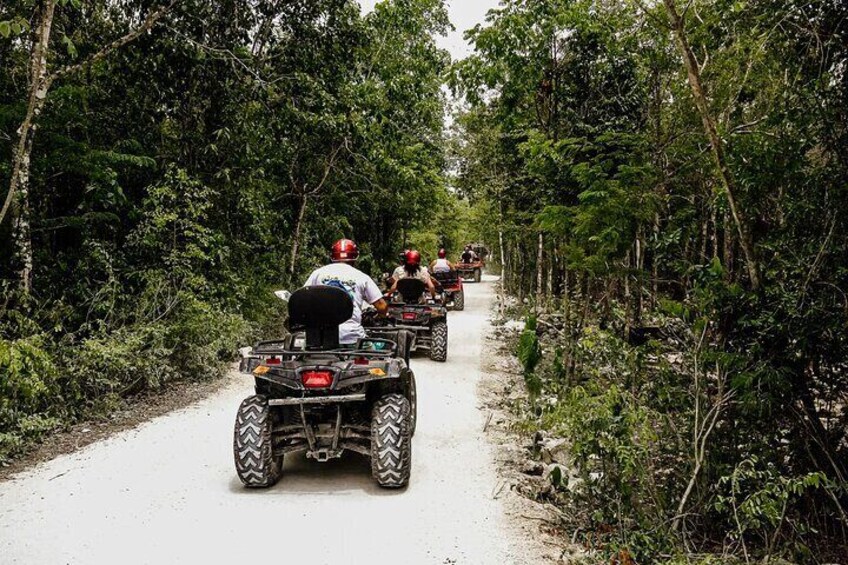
(464, 14)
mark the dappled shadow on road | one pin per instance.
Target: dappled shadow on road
(302, 476)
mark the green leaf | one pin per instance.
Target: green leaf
(5, 28)
(69, 45)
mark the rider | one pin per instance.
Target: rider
(441, 265)
(342, 274)
(412, 269)
(468, 256)
(398, 272)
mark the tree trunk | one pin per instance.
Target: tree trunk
(717, 147)
(728, 248)
(540, 270)
(655, 266)
(502, 256)
(640, 266)
(705, 235)
(628, 298)
(298, 226)
(18, 196)
(714, 222)
(17, 199)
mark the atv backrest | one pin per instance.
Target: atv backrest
(410, 289)
(319, 310)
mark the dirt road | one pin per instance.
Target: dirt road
(166, 492)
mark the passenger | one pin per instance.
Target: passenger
(468, 256)
(398, 272)
(412, 269)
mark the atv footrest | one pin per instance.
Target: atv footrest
(317, 400)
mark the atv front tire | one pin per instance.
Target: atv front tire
(391, 442)
(439, 341)
(459, 300)
(477, 275)
(256, 465)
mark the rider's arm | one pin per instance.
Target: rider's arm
(432, 287)
(372, 295)
(381, 306)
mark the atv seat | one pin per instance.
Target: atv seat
(411, 290)
(448, 278)
(319, 311)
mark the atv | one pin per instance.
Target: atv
(426, 320)
(316, 396)
(450, 284)
(470, 271)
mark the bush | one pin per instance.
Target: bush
(27, 393)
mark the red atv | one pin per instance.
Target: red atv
(450, 284)
(472, 271)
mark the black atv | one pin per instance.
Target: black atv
(426, 320)
(313, 395)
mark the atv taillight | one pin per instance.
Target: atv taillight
(272, 361)
(316, 379)
(409, 315)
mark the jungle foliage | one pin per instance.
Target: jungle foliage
(177, 180)
(669, 188)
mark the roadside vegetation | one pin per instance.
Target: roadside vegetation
(665, 184)
(662, 186)
(169, 182)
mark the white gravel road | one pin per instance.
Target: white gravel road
(166, 492)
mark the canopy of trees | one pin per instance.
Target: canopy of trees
(171, 165)
(678, 171)
(666, 181)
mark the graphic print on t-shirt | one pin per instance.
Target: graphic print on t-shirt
(349, 286)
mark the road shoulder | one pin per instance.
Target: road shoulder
(502, 393)
(135, 412)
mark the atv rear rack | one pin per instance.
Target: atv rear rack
(316, 400)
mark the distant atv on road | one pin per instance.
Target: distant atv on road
(473, 270)
(426, 320)
(314, 396)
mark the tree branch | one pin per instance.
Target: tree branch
(104, 51)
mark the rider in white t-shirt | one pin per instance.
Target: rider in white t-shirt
(360, 287)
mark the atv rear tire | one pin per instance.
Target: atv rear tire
(477, 275)
(439, 341)
(412, 395)
(459, 300)
(253, 449)
(391, 441)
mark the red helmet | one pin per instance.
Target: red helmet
(442, 253)
(344, 251)
(413, 258)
